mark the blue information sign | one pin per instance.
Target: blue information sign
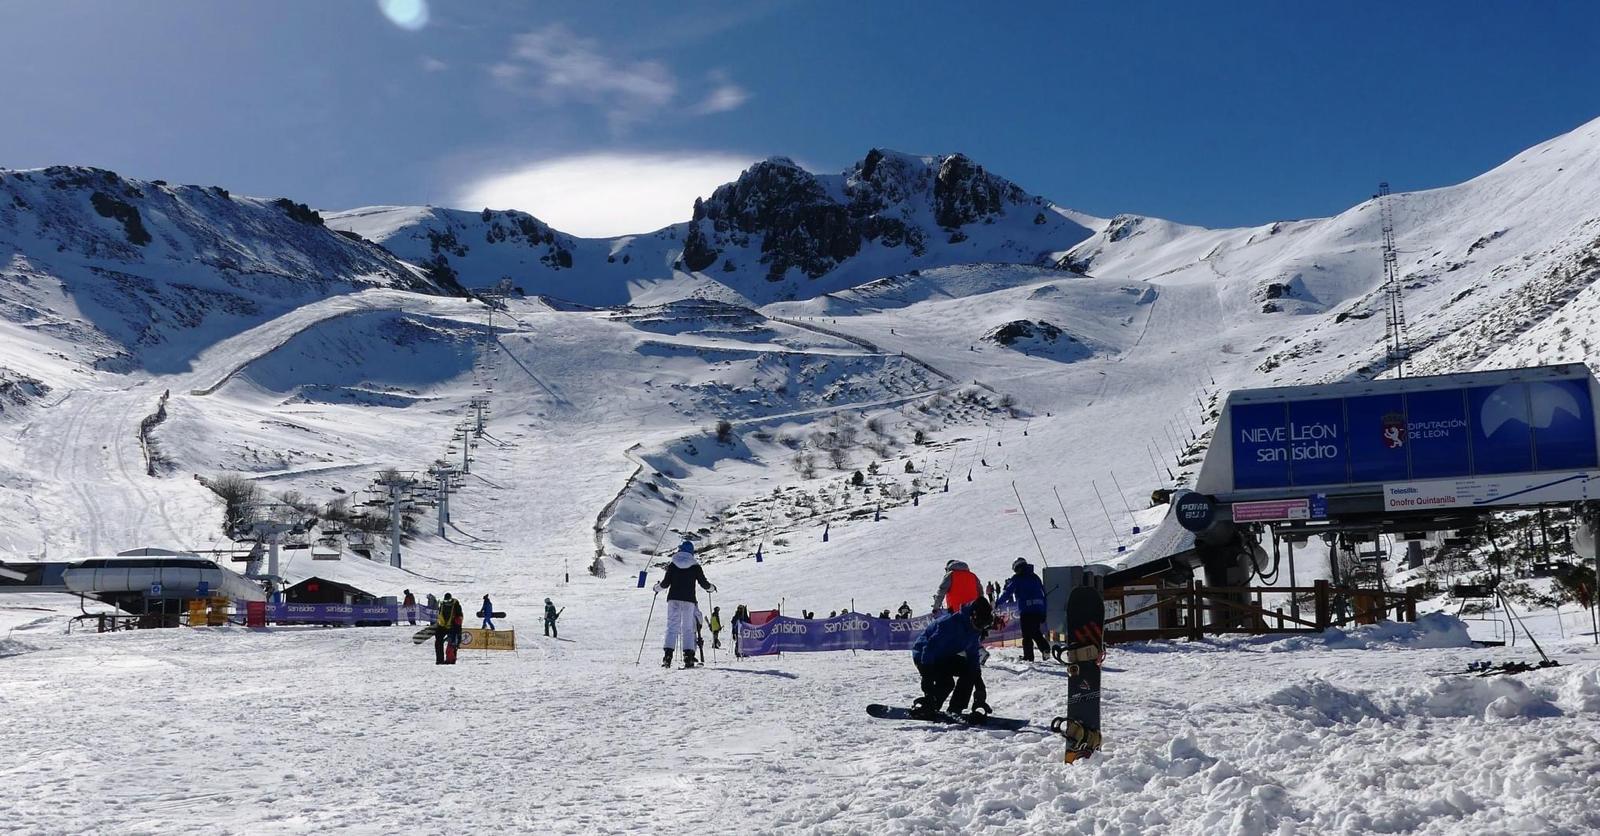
(1517, 427)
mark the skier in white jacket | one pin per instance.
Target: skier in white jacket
(682, 606)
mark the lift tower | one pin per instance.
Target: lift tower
(1394, 315)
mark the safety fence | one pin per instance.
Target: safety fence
(354, 614)
(851, 631)
(1193, 611)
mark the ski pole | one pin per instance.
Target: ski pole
(647, 627)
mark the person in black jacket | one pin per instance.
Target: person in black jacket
(683, 607)
(741, 615)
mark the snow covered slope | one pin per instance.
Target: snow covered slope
(778, 232)
(126, 274)
(1482, 263)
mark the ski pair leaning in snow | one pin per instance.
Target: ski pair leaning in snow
(683, 607)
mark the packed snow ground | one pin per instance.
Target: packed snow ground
(296, 729)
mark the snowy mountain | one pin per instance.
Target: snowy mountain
(126, 274)
(1482, 263)
(778, 232)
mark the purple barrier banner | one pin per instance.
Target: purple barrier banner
(331, 613)
(850, 631)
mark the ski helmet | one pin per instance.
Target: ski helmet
(1020, 565)
(547, 600)
(950, 564)
(982, 613)
(686, 546)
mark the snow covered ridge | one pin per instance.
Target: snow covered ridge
(776, 233)
(1495, 269)
(132, 274)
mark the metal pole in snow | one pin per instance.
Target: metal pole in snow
(1029, 521)
(1153, 464)
(1107, 513)
(1082, 561)
(394, 525)
(1123, 496)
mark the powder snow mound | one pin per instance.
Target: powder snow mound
(12, 647)
(1581, 692)
(1434, 630)
(1322, 703)
(1495, 698)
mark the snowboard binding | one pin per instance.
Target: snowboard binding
(1082, 741)
(922, 711)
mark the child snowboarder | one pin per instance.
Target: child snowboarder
(550, 616)
(487, 614)
(948, 657)
(716, 628)
(682, 574)
(410, 603)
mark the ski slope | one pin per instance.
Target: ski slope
(602, 439)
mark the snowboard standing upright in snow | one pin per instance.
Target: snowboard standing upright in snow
(1086, 615)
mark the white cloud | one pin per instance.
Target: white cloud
(725, 96)
(605, 194)
(433, 65)
(557, 66)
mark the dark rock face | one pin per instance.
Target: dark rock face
(521, 227)
(299, 211)
(813, 223)
(125, 213)
(1022, 329)
(963, 193)
(697, 251)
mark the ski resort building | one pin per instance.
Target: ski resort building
(1347, 464)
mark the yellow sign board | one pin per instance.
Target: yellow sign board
(473, 638)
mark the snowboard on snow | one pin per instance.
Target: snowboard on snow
(424, 634)
(1086, 615)
(976, 721)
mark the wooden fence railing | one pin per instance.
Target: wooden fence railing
(1140, 613)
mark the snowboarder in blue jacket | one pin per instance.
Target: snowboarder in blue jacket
(487, 614)
(948, 656)
(1025, 588)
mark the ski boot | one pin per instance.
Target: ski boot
(688, 659)
(979, 715)
(666, 661)
(922, 711)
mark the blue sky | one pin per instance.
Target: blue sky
(605, 117)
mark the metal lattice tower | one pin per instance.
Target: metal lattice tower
(1394, 315)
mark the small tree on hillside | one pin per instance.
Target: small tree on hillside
(724, 431)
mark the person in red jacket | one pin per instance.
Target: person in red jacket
(959, 587)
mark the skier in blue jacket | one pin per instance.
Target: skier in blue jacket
(1025, 588)
(948, 656)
